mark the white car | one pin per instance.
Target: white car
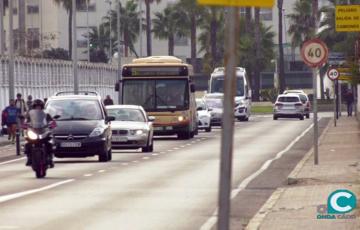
(289, 105)
(204, 115)
(131, 129)
(215, 102)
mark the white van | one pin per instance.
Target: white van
(243, 91)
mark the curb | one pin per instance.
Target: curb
(293, 176)
(256, 221)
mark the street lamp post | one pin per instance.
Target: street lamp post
(110, 29)
(87, 31)
(74, 49)
(140, 29)
(119, 53)
(11, 53)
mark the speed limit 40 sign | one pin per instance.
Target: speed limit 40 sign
(314, 52)
(333, 74)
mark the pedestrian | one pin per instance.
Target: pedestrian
(12, 114)
(3, 123)
(108, 100)
(21, 105)
(349, 98)
(29, 102)
(45, 100)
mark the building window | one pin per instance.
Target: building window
(266, 14)
(33, 38)
(82, 6)
(180, 40)
(32, 9)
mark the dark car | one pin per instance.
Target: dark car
(83, 127)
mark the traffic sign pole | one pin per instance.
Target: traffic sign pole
(335, 103)
(333, 74)
(316, 152)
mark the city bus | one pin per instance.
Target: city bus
(242, 93)
(162, 86)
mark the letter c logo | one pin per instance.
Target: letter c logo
(341, 201)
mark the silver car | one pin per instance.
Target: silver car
(288, 105)
(131, 129)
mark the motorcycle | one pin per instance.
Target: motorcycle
(38, 145)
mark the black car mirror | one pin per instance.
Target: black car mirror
(110, 118)
(56, 117)
(199, 108)
(192, 88)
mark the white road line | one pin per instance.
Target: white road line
(154, 154)
(5, 198)
(125, 163)
(175, 148)
(183, 146)
(135, 161)
(101, 171)
(87, 175)
(162, 152)
(209, 224)
(170, 150)
(188, 144)
(11, 161)
(9, 227)
(146, 158)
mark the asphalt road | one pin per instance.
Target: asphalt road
(176, 187)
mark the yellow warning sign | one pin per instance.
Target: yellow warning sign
(345, 74)
(255, 3)
(347, 18)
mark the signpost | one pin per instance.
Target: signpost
(227, 133)
(333, 74)
(347, 18)
(315, 53)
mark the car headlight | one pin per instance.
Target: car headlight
(137, 132)
(181, 118)
(32, 135)
(97, 132)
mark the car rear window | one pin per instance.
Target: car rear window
(288, 99)
(126, 114)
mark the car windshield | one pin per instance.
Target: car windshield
(217, 85)
(214, 103)
(288, 99)
(74, 109)
(126, 114)
(157, 95)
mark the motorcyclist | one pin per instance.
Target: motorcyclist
(38, 106)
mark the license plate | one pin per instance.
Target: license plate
(158, 128)
(119, 139)
(70, 144)
(163, 128)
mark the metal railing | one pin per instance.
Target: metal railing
(42, 78)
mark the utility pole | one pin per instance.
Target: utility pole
(87, 31)
(74, 49)
(2, 37)
(119, 54)
(11, 53)
(110, 40)
(140, 29)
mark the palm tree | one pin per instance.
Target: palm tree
(129, 21)
(167, 25)
(212, 34)
(301, 23)
(193, 14)
(67, 5)
(281, 48)
(148, 26)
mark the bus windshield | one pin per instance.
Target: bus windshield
(217, 85)
(157, 94)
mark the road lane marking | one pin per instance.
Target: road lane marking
(9, 227)
(11, 161)
(162, 152)
(175, 148)
(170, 150)
(135, 161)
(154, 154)
(13, 196)
(183, 146)
(188, 144)
(87, 175)
(146, 158)
(125, 163)
(101, 171)
(209, 224)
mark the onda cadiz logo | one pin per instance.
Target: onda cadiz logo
(339, 203)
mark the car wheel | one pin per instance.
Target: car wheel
(301, 117)
(246, 118)
(208, 129)
(308, 115)
(149, 147)
(275, 117)
(240, 118)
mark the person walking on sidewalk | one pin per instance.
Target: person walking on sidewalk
(29, 102)
(21, 105)
(349, 98)
(12, 114)
(108, 100)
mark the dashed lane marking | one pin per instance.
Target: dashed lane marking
(11, 161)
(146, 158)
(101, 171)
(125, 163)
(13, 196)
(154, 154)
(88, 175)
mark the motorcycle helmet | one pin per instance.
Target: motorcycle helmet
(38, 102)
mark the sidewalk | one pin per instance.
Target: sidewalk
(297, 205)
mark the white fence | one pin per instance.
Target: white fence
(42, 78)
